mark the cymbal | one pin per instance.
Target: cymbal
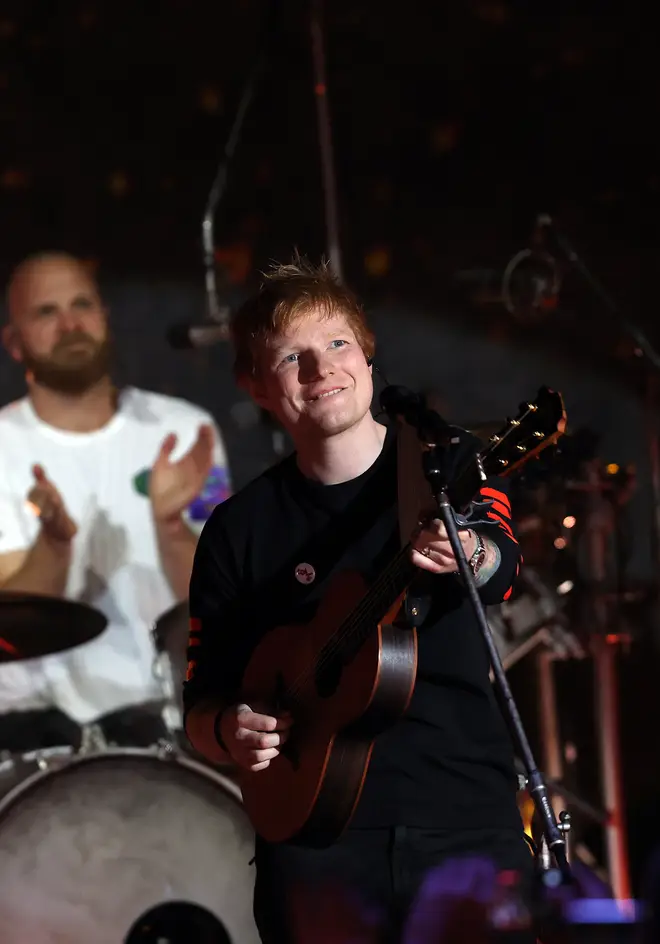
(32, 626)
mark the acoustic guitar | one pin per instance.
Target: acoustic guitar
(350, 673)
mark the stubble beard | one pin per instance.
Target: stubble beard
(71, 376)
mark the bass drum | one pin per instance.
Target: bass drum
(87, 848)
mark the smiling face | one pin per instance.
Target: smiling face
(58, 328)
(314, 377)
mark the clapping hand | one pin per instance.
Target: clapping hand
(174, 485)
(48, 505)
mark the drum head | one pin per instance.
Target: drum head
(88, 849)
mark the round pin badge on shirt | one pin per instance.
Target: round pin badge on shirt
(305, 573)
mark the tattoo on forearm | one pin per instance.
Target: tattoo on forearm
(491, 562)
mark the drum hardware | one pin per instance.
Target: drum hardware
(48, 757)
(93, 740)
(165, 749)
(32, 626)
(170, 639)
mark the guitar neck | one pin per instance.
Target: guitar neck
(381, 596)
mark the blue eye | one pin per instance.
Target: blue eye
(338, 343)
(289, 359)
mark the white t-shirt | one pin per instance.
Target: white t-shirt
(103, 479)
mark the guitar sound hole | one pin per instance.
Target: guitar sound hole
(328, 675)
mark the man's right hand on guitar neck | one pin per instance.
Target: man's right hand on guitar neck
(252, 740)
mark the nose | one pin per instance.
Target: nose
(315, 365)
(69, 320)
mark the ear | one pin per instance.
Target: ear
(257, 390)
(10, 341)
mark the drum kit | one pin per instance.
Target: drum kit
(118, 845)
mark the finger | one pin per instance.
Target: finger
(252, 739)
(202, 450)
(428, 543)
(39, 473)
(436, 528)
(425, 563)
(255, 722)
(271, 740)
(258, 757)
(205, 434)
(256, 767)
(433, 534)
(167, 446)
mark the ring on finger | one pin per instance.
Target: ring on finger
(426, 551)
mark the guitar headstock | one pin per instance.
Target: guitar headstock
(539, 424)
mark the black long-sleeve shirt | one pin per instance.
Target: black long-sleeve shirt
(448, 762)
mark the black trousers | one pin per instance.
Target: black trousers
(364, 887)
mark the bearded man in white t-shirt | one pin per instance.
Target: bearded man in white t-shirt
(100, 492)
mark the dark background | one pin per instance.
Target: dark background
(455, 124)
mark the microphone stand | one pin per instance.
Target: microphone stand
(219, 186)
(325, 138)
(436, 434)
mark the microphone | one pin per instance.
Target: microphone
(399, 401)
(187, 335)
(531, 280)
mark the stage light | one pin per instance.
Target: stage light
(560, 543)
(569, 521)
(565, 587)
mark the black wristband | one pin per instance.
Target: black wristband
(216, 731)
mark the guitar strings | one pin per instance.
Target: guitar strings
(354, 621)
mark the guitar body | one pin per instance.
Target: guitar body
(309, 792)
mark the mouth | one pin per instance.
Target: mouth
(325, 394)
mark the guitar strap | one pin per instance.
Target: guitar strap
(414, 499)
(414, 492)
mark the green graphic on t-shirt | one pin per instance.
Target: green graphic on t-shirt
(141, 482)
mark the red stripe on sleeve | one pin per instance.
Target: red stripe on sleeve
(489, 492)
(498, 506)
(503, 525)
(508, 593)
